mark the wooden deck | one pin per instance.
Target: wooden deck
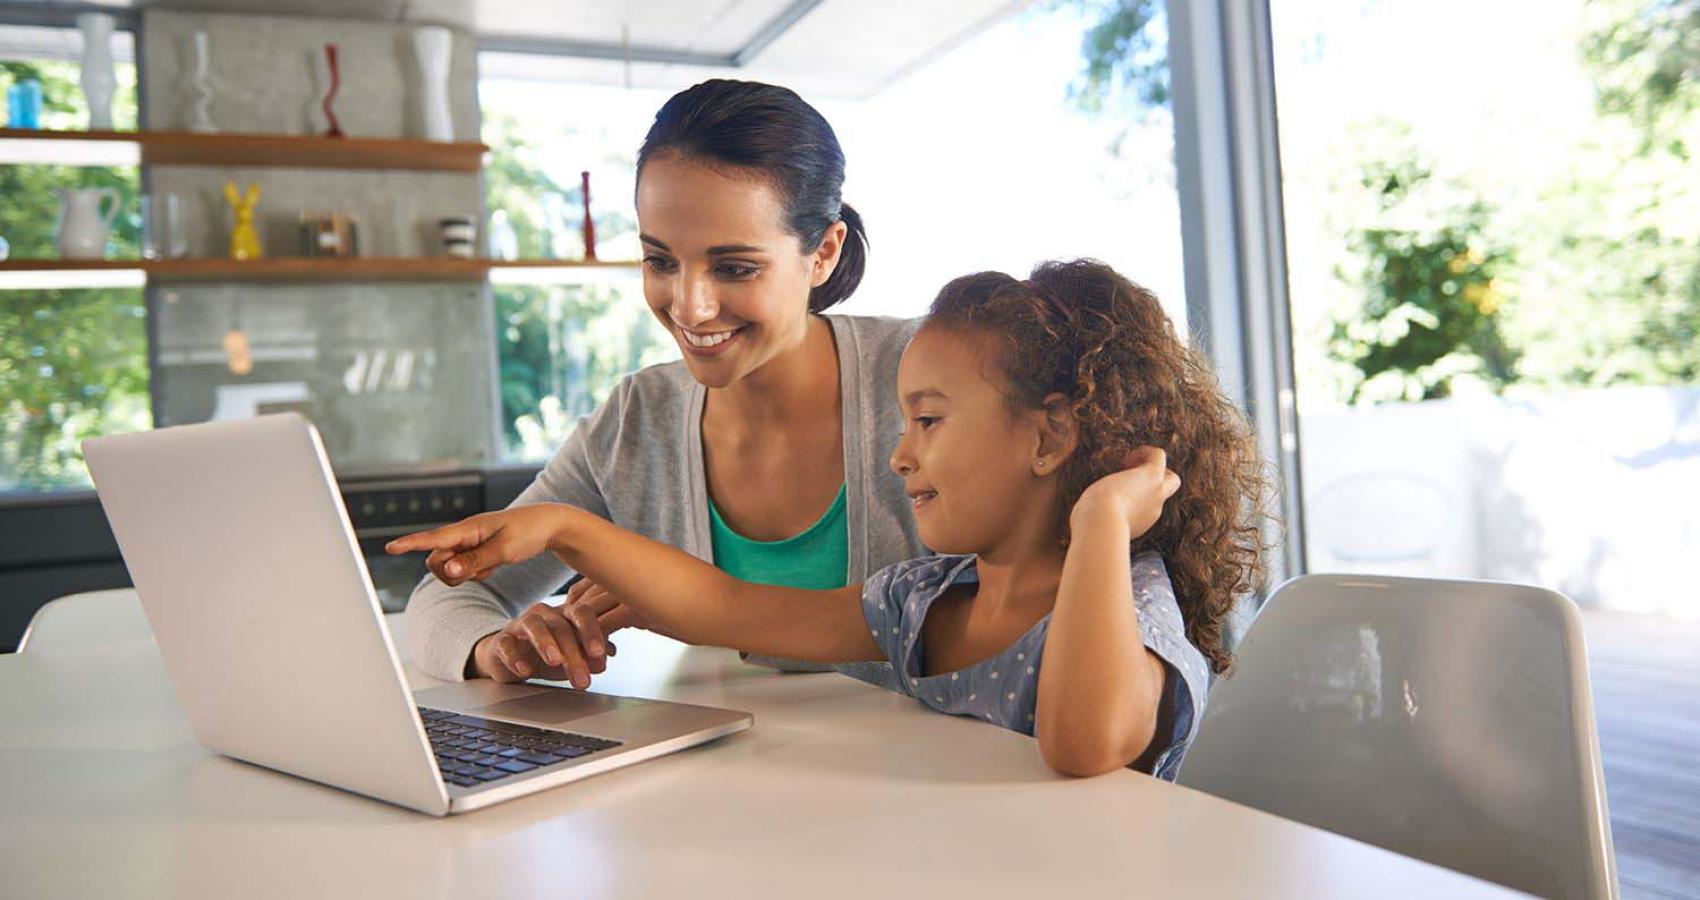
(1646, 675)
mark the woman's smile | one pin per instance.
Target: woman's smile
(709, 343)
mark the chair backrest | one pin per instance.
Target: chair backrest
(75, 622)
(1449, 721)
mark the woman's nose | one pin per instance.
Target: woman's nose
(693, 303)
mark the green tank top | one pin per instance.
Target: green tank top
(818, 558)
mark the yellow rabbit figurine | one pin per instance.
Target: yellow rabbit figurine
(244, 240)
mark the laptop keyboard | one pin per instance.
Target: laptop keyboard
(472, 750)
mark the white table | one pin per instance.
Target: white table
(840, 789)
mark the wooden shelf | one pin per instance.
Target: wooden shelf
(303, 269)
(183, 148)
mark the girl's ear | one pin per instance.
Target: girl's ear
(1059, 434)
(825, 257)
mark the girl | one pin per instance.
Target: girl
(747, 243)
(1048, 424)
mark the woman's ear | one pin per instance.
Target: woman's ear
(825, 257)
(1059, 434)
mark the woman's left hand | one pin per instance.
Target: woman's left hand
(1134, 495)
(471, 549)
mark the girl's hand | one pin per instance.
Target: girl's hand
(1135, 495)
(469, 550)
(591, 606)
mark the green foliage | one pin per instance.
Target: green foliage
(1125, 54)
(563, 348)
(73, 365)
(1645, 58)
(1431, 301)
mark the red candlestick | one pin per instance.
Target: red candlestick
(336, 82)
(589, 226)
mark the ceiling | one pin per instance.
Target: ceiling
(832, 48)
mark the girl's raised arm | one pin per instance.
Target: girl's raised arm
(1100, 688)
(680, 595)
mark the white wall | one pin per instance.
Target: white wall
(1592, 493)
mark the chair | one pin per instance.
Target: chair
(77, 621)
(1449, 721)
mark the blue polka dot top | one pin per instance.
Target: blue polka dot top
(1004, 689)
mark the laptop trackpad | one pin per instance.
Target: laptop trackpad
(553, 707)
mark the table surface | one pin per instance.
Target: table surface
(840, 789)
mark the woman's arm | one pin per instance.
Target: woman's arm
(1099, 687)
(454, 631)
(680, 594)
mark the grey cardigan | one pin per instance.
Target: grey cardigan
(637, 461)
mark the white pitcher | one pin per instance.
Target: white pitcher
(82, 226)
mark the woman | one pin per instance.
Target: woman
(763, 450)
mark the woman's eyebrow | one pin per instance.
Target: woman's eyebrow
(658, 245)
(723, 249)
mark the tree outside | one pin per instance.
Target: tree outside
(1443, 278)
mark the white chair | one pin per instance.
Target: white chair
(1450, 721)
(77, 621)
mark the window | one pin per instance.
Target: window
(1495, 291)
(73, 348)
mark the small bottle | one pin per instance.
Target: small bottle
(23, 104)
(504, 241)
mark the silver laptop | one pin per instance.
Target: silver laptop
(237, 541)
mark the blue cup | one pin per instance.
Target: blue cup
(23, 104)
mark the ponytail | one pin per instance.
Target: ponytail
(770, 132)
(852, 259)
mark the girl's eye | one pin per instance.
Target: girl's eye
(926, 422)
(658, 263)
(736, 271)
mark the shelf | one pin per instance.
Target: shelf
(15, 274)
(183, 148)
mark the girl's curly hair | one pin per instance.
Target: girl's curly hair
(1080, 329)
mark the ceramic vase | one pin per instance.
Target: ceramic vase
(200, 82)
(99, 79)
(432, 46)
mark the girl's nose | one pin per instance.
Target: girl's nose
(901, 461)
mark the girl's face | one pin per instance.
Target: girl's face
(967, 463)
(721, 272)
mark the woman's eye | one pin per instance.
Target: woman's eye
(658, 263)
(736, 271)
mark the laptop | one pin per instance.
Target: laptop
(249, 573)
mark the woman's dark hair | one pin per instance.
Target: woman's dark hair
(1081, 330)
(773, 134)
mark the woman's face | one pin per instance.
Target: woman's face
(721, 272)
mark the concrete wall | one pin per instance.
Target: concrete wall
(268, 78)
(394, 374)
(1592, 493)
